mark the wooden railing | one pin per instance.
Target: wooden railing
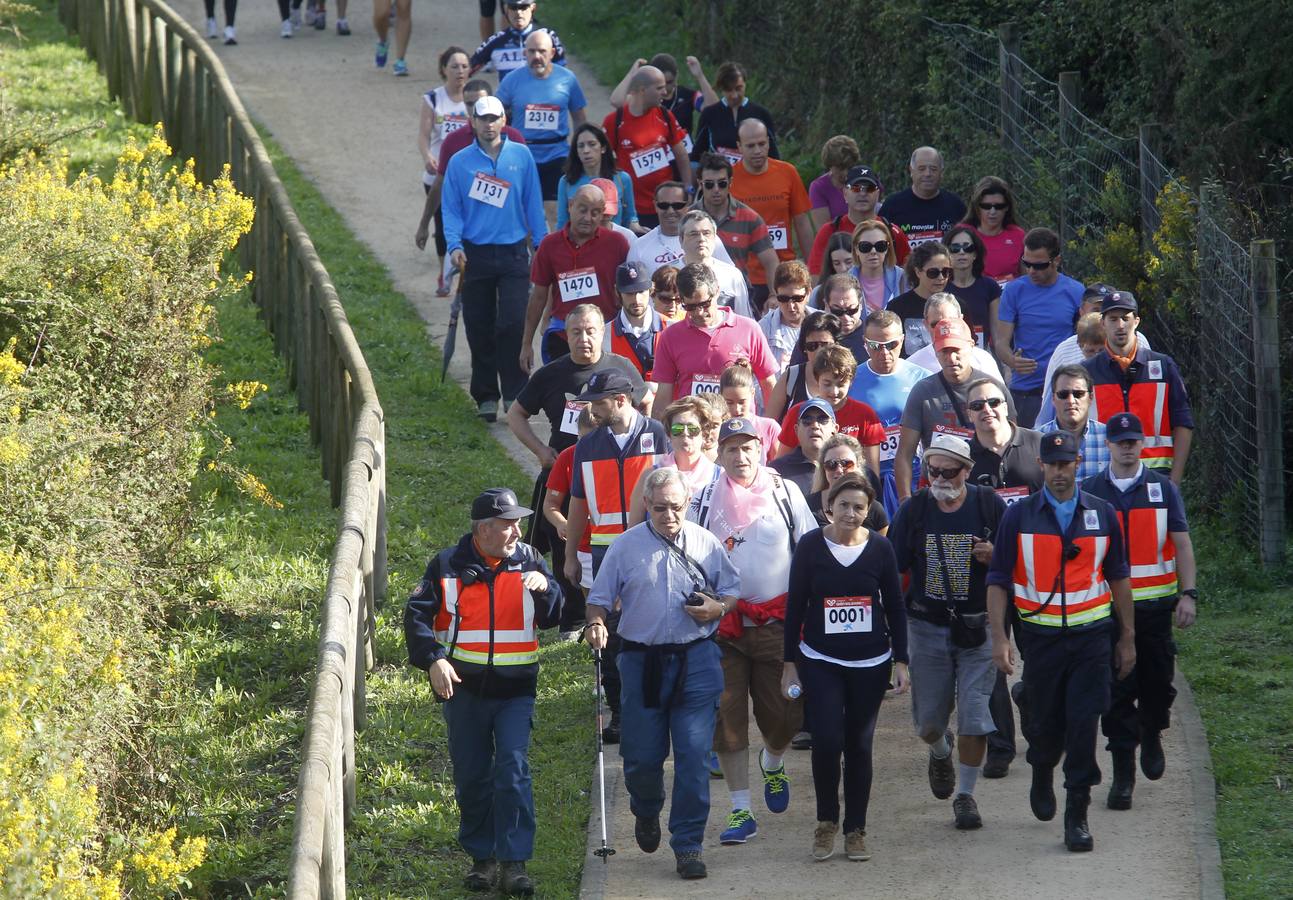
(162, 71)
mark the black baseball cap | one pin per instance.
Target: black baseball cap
(1125, 427)
(498, 503)
(1097, 291)
(1120, 300)
(630, 278)
(1059, 446)
(859, 174)
(606, 383)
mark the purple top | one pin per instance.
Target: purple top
(822, 193)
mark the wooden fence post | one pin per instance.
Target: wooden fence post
(1068, 105)
(1148, 153)
(1270, 421)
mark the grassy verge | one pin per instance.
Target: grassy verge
(240, 641)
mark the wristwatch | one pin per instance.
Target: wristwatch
(1192, 592)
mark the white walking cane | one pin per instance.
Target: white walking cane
(605, 851)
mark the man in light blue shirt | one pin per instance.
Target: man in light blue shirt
(493, 209)
(544, 101)
(674, 583)
(1035, 314)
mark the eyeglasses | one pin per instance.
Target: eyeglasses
(812, 419)
(1036, 266)
(843, 465)
(990, 403)
(682, 428)
(845, 311)
(691, 307)
(995, 207)
(667, 507)
(863, 188)
(676, 207)
(960, 248)
(870, 247)
(946, 474)
(791, 298)
(882, 345)
(1076, 394)
(935, 274)
(710, 185)
(814, 346)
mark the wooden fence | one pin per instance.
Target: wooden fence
(162, 70)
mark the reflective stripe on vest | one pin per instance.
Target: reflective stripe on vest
(1081, 597)
(463, 622)
(1152, 554)
(1148, 400)
(607, 485)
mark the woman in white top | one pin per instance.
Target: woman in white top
(443, 112)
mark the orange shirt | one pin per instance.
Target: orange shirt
(778, 195)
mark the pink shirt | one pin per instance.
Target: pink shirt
(692, 360)
(1004, 253)
(769, 431)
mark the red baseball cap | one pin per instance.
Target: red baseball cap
(952, 333)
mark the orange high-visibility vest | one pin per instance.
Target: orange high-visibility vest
(488, 622)
(1051, 590)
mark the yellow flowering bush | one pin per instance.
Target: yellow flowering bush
(106, 292)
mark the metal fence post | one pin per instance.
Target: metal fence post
(1270, 421)
(1008, 65)
(1068, 104)
(1148, 148)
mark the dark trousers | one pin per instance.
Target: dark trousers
(495, 292)
(844, 704)
(1001, 743)
(1066, 687)
(1142, 702)
(489, 744)
(614, 644)
(1027, 406)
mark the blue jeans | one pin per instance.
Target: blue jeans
(489, 742)
(686, 713)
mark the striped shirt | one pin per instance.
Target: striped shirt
(743, 233)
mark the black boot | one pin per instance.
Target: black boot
(611, 733)
(1042, 794)
(1077, 837)
(1152, 761)
(1124, 779)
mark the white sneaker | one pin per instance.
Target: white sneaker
(286, 30)
(213, 30)
(229, 37)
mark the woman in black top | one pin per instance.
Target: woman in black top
(929, 268)
(846, 600)
(977, 293)
(840, 455)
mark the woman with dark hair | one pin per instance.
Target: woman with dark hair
(929, 269)
(837, 260)
(443, 112)
(977, 293)
(992, 215)
(591, 156)
(719, 121)
(797, 384)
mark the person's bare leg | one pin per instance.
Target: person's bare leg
(403, 26)
(382, 19)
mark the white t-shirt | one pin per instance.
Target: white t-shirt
(655, 249)
(732, 291)
(446, 118)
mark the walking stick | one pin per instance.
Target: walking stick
(605, 851)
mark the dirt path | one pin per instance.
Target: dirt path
(352, 130)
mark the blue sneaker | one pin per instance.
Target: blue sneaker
(400, 68)
(715, 770)
(776, 787)
(740, 828)
(380, 56)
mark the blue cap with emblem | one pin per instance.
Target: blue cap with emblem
(1120, 300)
(738, 427)
(498, 503)
(818, 404)
(1059, 446)
(606, 383)
(630, 278)
(1125, 427)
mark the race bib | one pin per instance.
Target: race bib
(578, 284)
(779, 237)
(979, 337)
(651, 160)
(955, 430)
(506, 59)
(451, 123)
(704, 384)
(1156, 369)
(687, 143)
(1013, 495)
(490, 190)
(847, 615)
(889, 446)
(732, 156)
(541, 117)
(570, 417)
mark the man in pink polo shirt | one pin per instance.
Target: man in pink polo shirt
(692, 354)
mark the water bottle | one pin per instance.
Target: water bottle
(793, 690)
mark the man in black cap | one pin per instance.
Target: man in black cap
(1061, 552)
(862, 193)
(472, 623)
(633, 333)
(1163, 585)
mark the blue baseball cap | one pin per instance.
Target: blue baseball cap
(738, 427)
(1125, 427)
(819, 404)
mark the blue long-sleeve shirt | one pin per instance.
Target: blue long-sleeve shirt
(467, 218)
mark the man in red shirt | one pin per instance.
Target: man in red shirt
(572, 266)
(862, 193)
(649, 143)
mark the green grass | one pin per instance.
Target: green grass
(241, 640)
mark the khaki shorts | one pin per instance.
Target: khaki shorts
(752, 667)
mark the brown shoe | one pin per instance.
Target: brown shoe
(824, 840)
(482, 875)
(855, 846)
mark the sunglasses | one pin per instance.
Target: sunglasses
(863, 188)
(946, 474)
(694, 306)
(935, 274)
(978, 405)
(882, 345)
(710, 185)
(676, 207)
(814, 346)
(1076, 394)
(791, 298)
(681, 429)
(846, 311)
(844, 465)
(1036, 266)
(960, 248)
(869, 247)
(995, 207)
(814, 419)
(668, 298)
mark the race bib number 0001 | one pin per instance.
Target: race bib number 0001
(578, 284)
(889, 447)
(542, 117)
(847, 615)
(647, 161)
(490, 190)
(778, 235)
(570, 417)
(704, 384)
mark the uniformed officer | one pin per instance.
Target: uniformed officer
(1061, 552)
(472, 624)
(1152, 515)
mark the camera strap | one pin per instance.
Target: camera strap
(693, 568)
